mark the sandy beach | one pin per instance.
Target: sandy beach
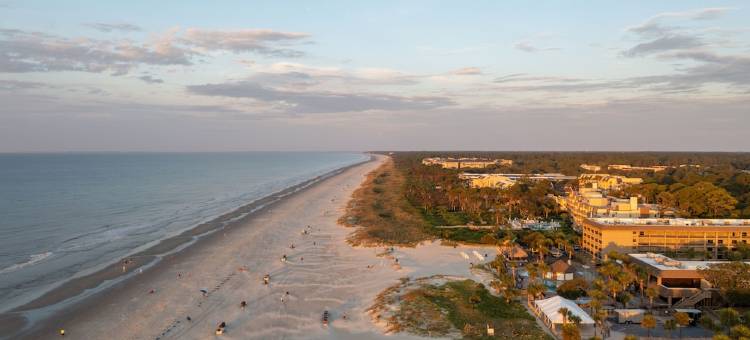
(322, 272)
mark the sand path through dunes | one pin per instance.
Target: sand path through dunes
(322, 272)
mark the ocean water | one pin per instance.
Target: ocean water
(64, 214)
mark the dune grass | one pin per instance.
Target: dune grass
(460, 309)
(381, 214)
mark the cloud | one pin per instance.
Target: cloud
(318, 101)
(151, 80)
(665, 43)
(467, 71)
(296, 74)
(11, 85)
(28, 51)
(260, 41)
(526, 46)
(658, 37)
(22, 51)
(524, 78)
(105, 27)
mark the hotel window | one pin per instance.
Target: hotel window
(641, 234)
(710, 241)
(721, 241)
(744, 234)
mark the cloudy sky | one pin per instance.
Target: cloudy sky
(400, 75)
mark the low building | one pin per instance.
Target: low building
(679, 283)
(506, 180)
(548, 310)
(606, 181)
(487, 180)
(711, 237)
(559, 271)
(627, 167)
(466, 163)
(517, 224)
(590, 167)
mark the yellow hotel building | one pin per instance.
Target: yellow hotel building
(466, 163)
(606, 182)
(628, 235)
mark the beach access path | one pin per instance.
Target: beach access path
(322, 272)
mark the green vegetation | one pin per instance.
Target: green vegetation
(465, 306)
(404, 201)
(381, 214)
(732, 279)
(573, 289)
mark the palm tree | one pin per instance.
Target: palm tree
(652, 293)
(564, 312)
(571, 332)
(648, 323)
(669, 326)
(533, 290)
(729, 317)
(682, 319)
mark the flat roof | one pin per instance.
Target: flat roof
(698, 222)
(665, 263)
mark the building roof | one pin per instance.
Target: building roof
(664, 263)
(698, 222)
(560, 266)
(514, 252)
(551, 306)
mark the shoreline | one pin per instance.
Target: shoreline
(85, 291)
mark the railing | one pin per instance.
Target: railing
(693, 300)
(677, 292)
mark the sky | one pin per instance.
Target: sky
(374, 75)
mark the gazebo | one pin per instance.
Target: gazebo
(513, 252)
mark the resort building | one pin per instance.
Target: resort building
(506, 180)
(626, 167)
(466, 163)
(532, 224)
(592, 202)
(606, 182)
(589, 167)
(711, 238)
(486, 180)
(679, 283)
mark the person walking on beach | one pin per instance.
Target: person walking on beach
(243, 304)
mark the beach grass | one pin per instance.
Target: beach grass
(460, 309)
(381, 214)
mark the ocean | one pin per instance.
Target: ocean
(67, 214)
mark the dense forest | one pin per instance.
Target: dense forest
(717, 185)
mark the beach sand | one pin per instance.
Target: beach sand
(323, 272)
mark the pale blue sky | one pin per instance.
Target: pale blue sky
(342, 75)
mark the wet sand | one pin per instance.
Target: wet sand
(323, 272)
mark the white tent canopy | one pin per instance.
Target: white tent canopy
(551, 306)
